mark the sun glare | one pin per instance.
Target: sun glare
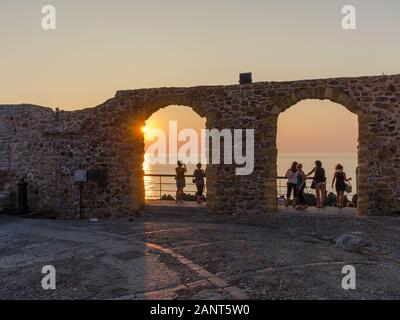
(145, 129)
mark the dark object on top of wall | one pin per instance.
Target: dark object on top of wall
(246, 78)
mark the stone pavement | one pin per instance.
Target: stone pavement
(290, 255)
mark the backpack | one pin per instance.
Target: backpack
(349, 187)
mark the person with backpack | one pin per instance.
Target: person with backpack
(198, 179)
(319, 183)
(339, 180)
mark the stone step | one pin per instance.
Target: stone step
(7, 199)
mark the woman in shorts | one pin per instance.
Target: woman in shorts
(339, 180)
(319, 183)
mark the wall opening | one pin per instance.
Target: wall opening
(173, 133)
(318, 130)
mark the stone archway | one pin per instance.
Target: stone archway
(49, 146)
(320, 93)
(127, 140)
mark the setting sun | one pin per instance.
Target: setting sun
(145, 129)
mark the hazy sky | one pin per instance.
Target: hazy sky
(317, 126)
(102, 46)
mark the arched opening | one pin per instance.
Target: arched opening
(174, 133)
(318, 130)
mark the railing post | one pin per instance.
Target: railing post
(160, 188)
(280, 187)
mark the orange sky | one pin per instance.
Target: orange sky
(317, 126)
(185, 117)
(103, 46)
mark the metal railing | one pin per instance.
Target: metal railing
(282, 185)
(158, 185)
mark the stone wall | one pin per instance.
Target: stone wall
(47, 146)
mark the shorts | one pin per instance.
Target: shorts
(180, 183)
(319, 185)
(341, 188)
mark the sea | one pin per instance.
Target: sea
(156, 186)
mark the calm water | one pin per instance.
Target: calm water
(329, 161)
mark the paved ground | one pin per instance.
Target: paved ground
(291, 255)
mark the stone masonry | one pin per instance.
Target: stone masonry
(46, 147)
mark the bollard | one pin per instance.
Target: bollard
(23, 197)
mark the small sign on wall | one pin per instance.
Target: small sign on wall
(80, 176)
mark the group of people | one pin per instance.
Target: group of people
(297, 182)
(198, 179)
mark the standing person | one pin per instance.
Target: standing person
(301, 185)
(291, 175)
(319, 182)
(180, 180)
(340, 178)
(198, 179)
